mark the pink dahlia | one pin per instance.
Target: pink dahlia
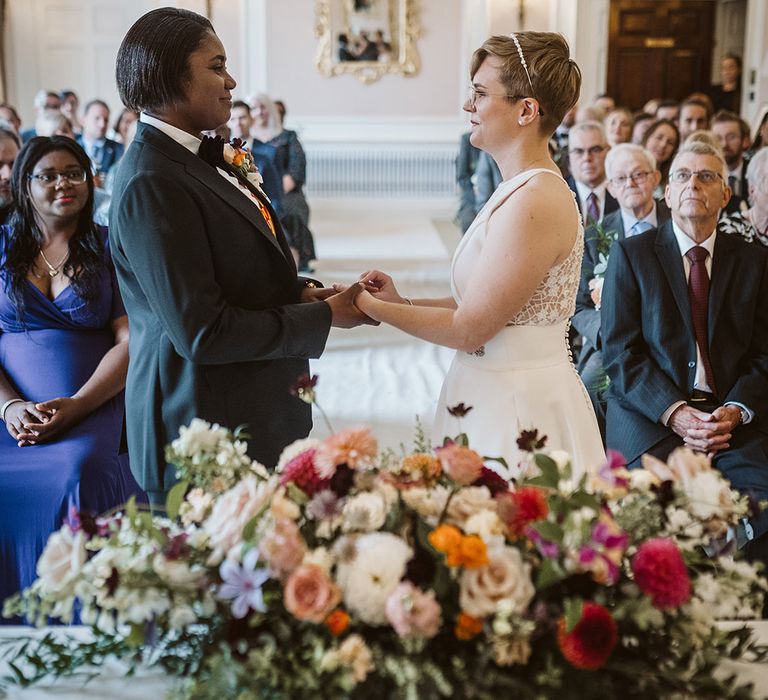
(301, 470)
(355, 447)
(660, 572)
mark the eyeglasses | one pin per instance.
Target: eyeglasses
(73, 177)
(475, 95)
(592, 151)
(705, 177)
(638, 178)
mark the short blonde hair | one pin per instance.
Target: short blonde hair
(555, 77)
(703, 148)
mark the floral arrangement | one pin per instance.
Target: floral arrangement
(346, 574)
(239, 156)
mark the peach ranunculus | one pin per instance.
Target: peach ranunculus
(471, 553)
(61, 561)
(309, 594)
(232, 511)
(412, 612)
(355, 447)
(445, 538)
(461, 464)
(506, 577)
(282, 547)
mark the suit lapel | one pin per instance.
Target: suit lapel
(722, 271)
(671, 261)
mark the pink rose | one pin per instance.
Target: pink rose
(309, 594)
(283, 547)
(412, 612)
(232, 511)
(61, 561)
(463, 465)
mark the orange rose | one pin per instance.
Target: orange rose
(337, 622)
(472, 553)
(309, 594)
(467, 626)
(445, 538)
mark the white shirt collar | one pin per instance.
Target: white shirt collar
(191, 143)
(629, 220)
(584, 191)
(685, 243)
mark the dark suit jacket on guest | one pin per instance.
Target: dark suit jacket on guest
(586, 320)
(611, 204)
(649, 346)
(216, 327)
(110, 154)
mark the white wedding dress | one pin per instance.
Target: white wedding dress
(523, 378)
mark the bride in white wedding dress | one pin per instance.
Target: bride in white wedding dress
(515, 273)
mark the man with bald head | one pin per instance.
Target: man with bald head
(685, 336)
(632, 178)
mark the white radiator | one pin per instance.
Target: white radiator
(381, 171)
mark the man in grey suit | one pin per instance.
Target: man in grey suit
(632, 178)
(685, 336)
(221, 327)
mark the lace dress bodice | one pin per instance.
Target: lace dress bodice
(554, 300)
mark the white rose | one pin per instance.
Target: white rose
(468, 502)
(232, 511)
(486, 524)
(505, 577)
(61, 561)
(642, 480)
(364, 513)
(710, 495)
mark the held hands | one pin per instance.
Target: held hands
(382, 286)
(41, 422)
(344, 312)
(705, 432)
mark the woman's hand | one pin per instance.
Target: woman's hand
(21, 418)
(64, 412)
(382, 286)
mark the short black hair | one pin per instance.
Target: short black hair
(95, 103)
(153, 59)
(242, 104)
(66, 94)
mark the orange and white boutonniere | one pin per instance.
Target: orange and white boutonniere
(237, 154)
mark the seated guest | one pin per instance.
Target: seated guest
(662, 140)
(53, 123)
(668, 109)
(605, 102)
(70, 103)
(651, 106)
(618, 126)
(44, 99)
(488, 177)
(264, 155)
(752, 224)
(587, 147)
(706, 136)
(732, 132)
(688, 359)
(103, 152)
(63, 358)
(466, 164)
(124, 127)
(694, 115)
(268, 129)
(9, 114)
(9, 149)
(559, 140)
(590, 113)
(632, 178)
(727, 95)
(643, 122)
(761, 135)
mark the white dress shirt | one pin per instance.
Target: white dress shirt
(685, 243)
(584, 192)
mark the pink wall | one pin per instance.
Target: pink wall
(292, 75)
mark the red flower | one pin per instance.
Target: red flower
(301, 471)
(590, 643)
(494, 481)
(660, 572)
(518, 509)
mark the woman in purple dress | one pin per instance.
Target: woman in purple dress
(63, 358)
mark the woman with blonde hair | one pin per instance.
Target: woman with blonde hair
(515, 274)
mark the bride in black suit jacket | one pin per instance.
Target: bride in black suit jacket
(221, 326)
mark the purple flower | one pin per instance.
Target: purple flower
(242, 584)
(613, 470)
(546, 548)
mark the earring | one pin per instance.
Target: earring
(520, 122)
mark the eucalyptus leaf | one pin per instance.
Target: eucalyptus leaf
(175, 498)
(573, 608)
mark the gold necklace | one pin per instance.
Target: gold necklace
(53, 270)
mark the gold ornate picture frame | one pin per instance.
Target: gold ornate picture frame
(367, 38)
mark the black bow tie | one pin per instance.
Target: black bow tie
(212, 152)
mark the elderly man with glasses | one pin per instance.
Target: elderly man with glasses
(632, 178)
(685, 337)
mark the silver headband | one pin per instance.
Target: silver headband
(522, 59)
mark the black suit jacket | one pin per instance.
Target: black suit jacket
(586, 320)
(649, 346)
(216, 327)
(611, 204)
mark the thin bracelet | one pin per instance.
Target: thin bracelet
(408, 300)
(7, 405)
